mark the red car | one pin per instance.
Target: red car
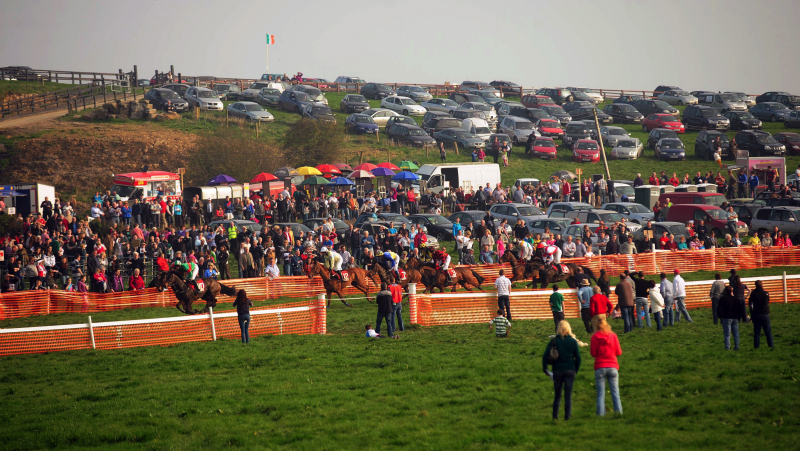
(790, 140)
(533, 101)
(544, 148)
(586, 151)
(550, 127)
(662, 120)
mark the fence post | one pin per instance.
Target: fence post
(412, 303)
(322, 314)
(785, 291)
(91, 332)
(211, 317)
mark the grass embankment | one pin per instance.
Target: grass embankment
(9, 87)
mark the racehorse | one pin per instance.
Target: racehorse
(549, 275)
(433, 279)
(187, 294)
(357, 277)
(408, 276)
(520, 272)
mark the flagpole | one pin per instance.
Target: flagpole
(267, 54)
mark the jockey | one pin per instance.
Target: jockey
(525, 250)
(540, 250)
(425, 253)
(553, 254)
(442, 261)
(333, 261)
(391, 262)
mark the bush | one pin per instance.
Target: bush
(310, 143)
(10, 224)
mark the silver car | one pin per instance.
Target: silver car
(512, 212)
(517, 128)
(675, 97)
(595, 96)
(631, 211)
(743, 97)
(627, 149)
(203, 98)
(313, 92)
(416, 93)
(250, 111)
(610, 135)
(444, 105)
(488, 110)
(380, 115)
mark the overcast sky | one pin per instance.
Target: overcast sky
(612, 44)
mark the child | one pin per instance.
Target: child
(371, 332)
(501, 325)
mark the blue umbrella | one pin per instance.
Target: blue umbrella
(405, 175)
(222, 178)
(341, 181)
(382, 172)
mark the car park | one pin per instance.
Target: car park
(771, 111)
(490, 96)
(649, 106)
(593, 216)
(250, 112)
(623, 113)
(461, 97)
(559, 96)
(549, 127)
(664, 88)
(586, 151)
(380, 115)
(575, 131)
(514, 211)
(445, 105)
(293, 101)
(557, 112)
(517, 128)
(658, 133)
(437, 225)
(743, 120)
(268, 97)
(790, 140)
(595, 97)
(627, 149)
(401, 120)
(251, 93)
(531, 114)
(353, 103)
(748, 101)
(488, 111)
(204, 99)
(402, 105)
(677, 97)
(570, 106)
(537, 101)
(722, 102)
(792, 120)
(467, 113)
(786, 219)
(377, 91)
(662, 120)
(700, 117)
(437, 123)
(166, 100)
(544, 148)
(588, 114)
(463, 138)
(315, 94)
(791, 101)
(633, 212)
(348, 79)
(704, 144)
(670, 149)
(318, 111)
(415, 93)
(228, 91)
(467, 85)
(179, 88)
(503, 108)
(627, 99)
(610, 135)
(478, 127)
(759, 143)
(360, 124)
(505, 87)
(409, 135)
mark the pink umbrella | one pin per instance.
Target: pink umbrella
(360, 174)
(388, 165)
(365, 166)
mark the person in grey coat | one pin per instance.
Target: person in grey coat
(717, 290)
(668, 293)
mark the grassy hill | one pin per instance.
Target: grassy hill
(8, 88)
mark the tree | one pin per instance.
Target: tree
(229, 151)
(309, 143)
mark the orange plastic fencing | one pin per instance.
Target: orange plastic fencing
(300, 318)
(469, 308)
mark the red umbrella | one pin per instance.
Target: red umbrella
(388, 165)
(263, 177)
(343, 166)
(365, 167)
(328, 169)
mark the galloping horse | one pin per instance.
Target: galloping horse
(549, 275)
(357, 277)
(520, 272)
(388, 277)
(433, 279)
(186, 294)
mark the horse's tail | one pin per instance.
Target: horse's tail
(480, 278)
(226, 290)
(588, 271)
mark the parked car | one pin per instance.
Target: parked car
(251, 226)
(467, 217)
(380, 115)
(465, 139)
(722, 102)
(649, 106)
(544, 148)
(318, 111)
(595, 96)
(767, 95)
(587, 114)
(677, 97)
(608, 217)
(790, 140)
(505, 86)
(416, 93)
(745, 210)
(664, 88)
(402, 105)
(513, 211)
(461, 97)
(505, 106)
(748, 101)
(792, 120)
(575, 131)
(517, 128)
(353, 103)
(531, 114)
(268, 97)
(552, 225)
(490, 96)
(537, 101)
(627, 99)
(389, 218)
(360, 124)
(586, 151)
(610, 135)
(250, 112)
(771, 111)
(676, 229)
(228, 91)
(623, 113)
(759, 143)
(401, 120)
(488, 110)
(559, 96)
(178, 88)
(293, 101)
(437, 123)
(704, 144)
(565, 207)
(467, 85)
(662, 120)
(570, 106)
(786, 219)
(467, 113)
(409, 135)
(557, 112)
(658, 133)
(791, 101)
(348, 79)
(446, 105)
(670, 149)
(437, 225)
(315, 224)
(166, 100)
(716, 219)
(203, 98)
(627, 149)
(251, 93)
(377, 91)
(743, 120)
(315, 94)
(478, 127)
(549, 127)
(699, 117)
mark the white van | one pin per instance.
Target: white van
(469, 176)
(478, 127)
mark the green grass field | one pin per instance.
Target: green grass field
(29, 87)
(437, 388)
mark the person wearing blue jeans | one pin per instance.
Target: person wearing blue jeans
(642, 309)
(385, 310)
(605, 349)
(730, 311)
(667, 294)
(759, 311)
(681, 307)
(243, 304)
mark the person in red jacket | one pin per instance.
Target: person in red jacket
(599, 307)
(605, 349)
(136, 282)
